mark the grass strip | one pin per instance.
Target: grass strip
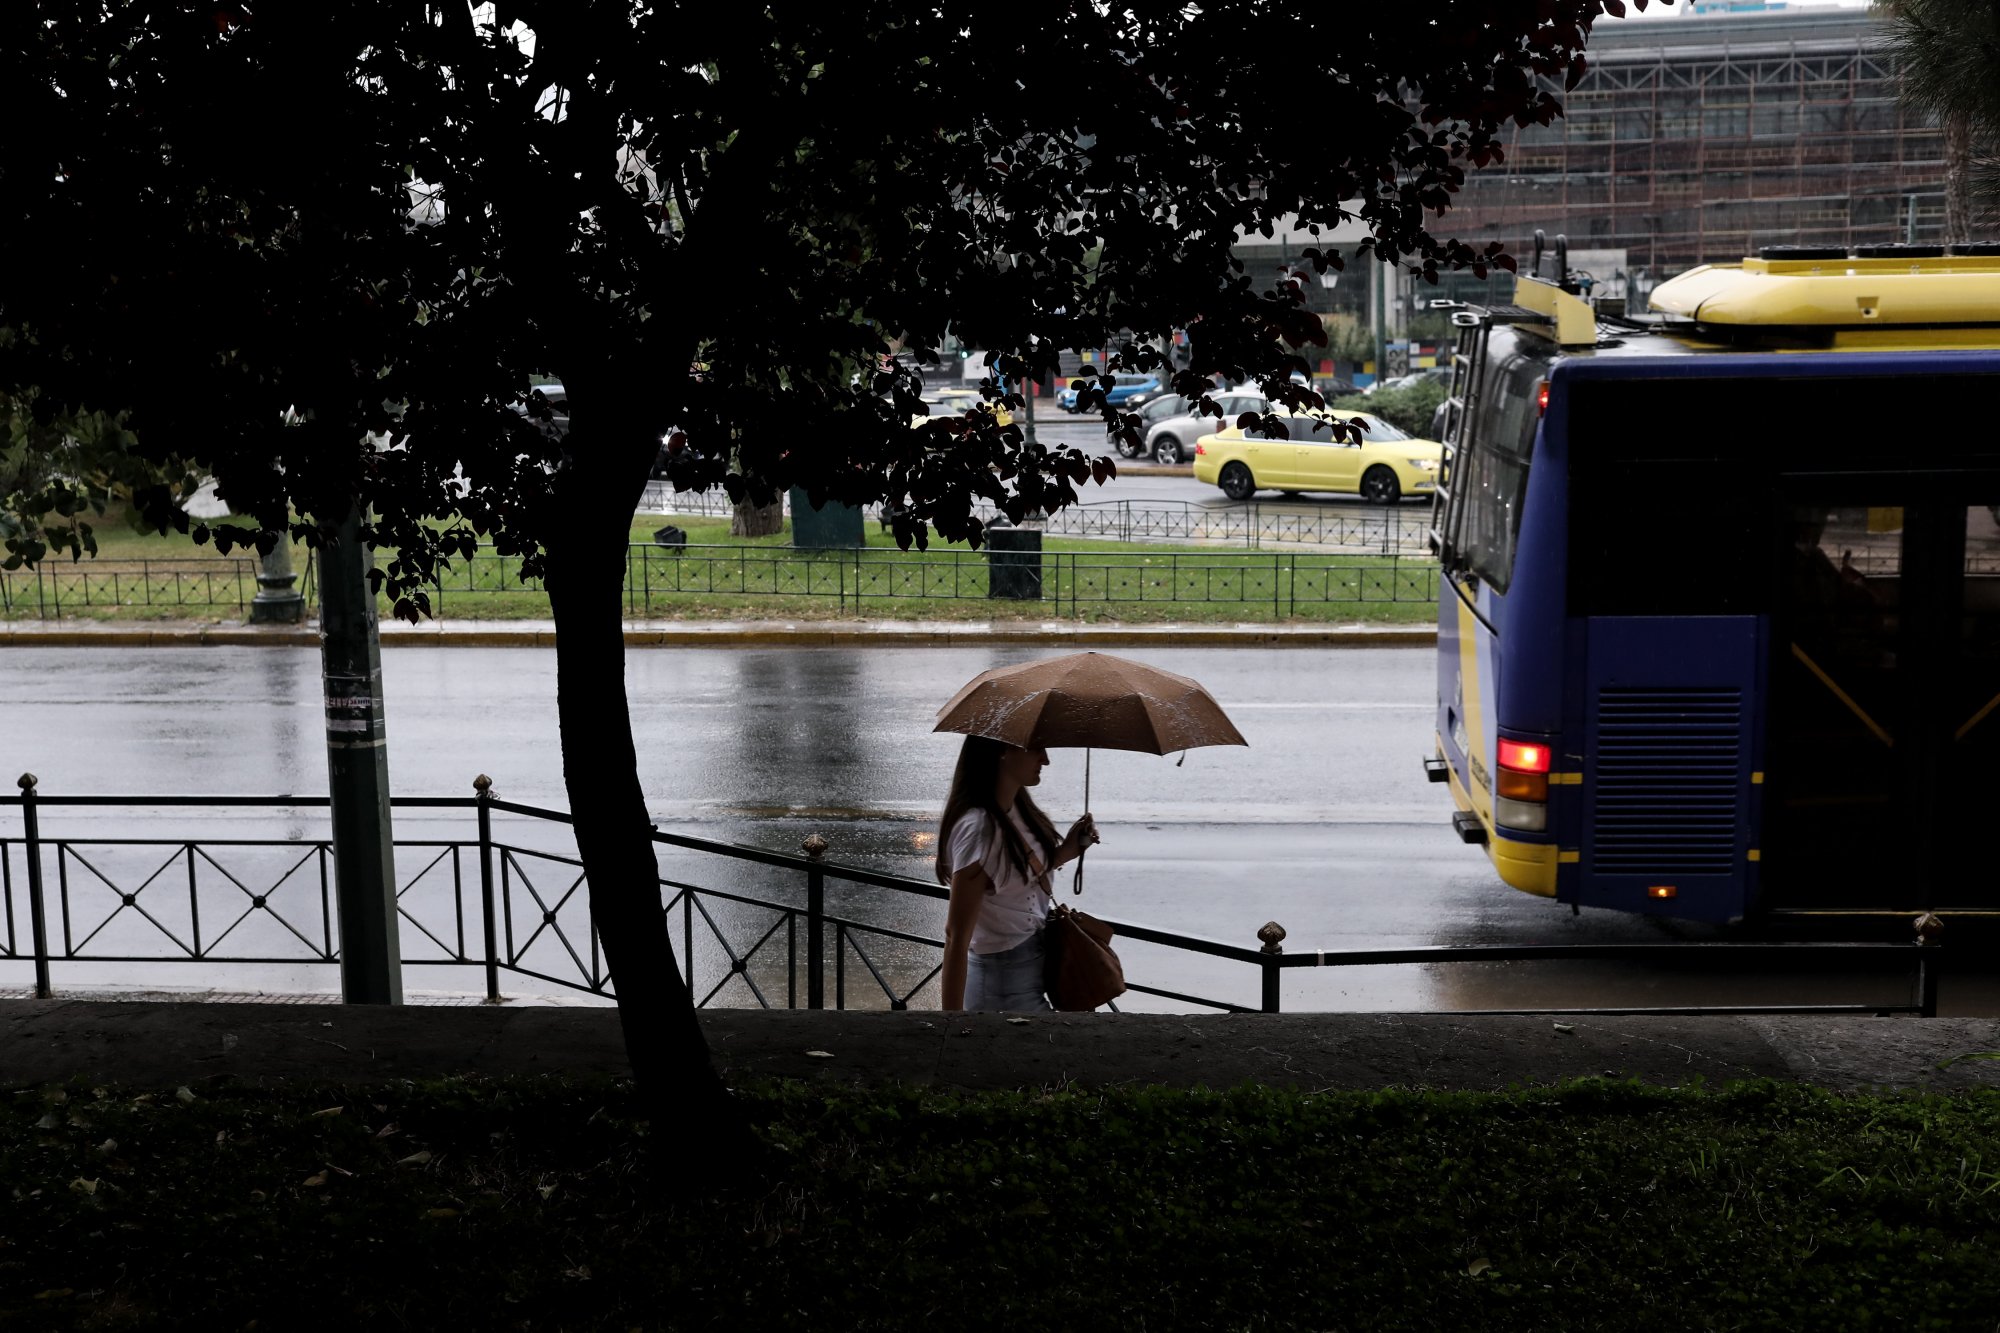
(533, 1204)
(150, 577)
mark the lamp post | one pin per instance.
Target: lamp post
(278, 601)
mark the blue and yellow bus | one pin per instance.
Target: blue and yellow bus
(1719, 632)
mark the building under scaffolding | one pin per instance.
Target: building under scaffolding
(1704, 138)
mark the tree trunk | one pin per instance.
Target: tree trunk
(753, 520)
(1957, 177)
(586, 583)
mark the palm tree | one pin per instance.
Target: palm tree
(1948, 52)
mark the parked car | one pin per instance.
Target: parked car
(1151, 410)
(1384, 468)
(1169, 439)
(1124, 386)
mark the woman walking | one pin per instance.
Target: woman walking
(997, 852)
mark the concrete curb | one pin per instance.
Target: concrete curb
(144, 1043)
(693, 634)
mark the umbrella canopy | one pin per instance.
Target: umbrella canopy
(1089, 699)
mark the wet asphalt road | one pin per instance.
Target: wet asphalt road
(1324, 824)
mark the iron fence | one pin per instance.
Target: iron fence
(56, 588)
(662, 578)
(485, 902)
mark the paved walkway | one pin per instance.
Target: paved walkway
(165, 1044)
(724, 634)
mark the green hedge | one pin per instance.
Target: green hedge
(1408, 409)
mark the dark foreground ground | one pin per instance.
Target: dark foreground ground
(228, 1167)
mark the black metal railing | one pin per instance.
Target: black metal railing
(661, 579)
(61, 587)
(501, 906)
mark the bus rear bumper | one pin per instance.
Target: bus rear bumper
(1527, 866)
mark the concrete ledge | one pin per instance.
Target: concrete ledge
(151, 1043)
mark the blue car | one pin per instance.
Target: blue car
(1124, 387)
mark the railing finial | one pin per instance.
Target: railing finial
(27, 782)
(815, 846)
(1928, 927)
(1273, 936)
(483, 785)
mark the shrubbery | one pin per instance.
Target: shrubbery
(544, 1204)
(1408, 409)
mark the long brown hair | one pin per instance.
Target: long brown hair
(974, 786)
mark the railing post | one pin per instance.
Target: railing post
(1273, 936)
(37, 914)
(815, 848)
(484, 786)
(1929, 962)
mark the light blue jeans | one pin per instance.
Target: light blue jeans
(1010, 980)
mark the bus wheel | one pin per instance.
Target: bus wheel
(1379, 486)
(1236, 482)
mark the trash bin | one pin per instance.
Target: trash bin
(1013, 561)
(830, 525)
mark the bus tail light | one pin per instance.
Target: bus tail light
(1662, 891)
(1542, 398)
(1522, 791)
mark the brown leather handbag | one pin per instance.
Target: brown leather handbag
(1079, 971)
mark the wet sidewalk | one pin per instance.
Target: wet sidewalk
(165, 1044)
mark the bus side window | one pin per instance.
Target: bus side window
(1496, 474)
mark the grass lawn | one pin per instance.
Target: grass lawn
(137, 577)
(533, 1205)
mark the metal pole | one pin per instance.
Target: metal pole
(1929, 963)
(36, 912)
(357, 761)
(815, 847)
(484, 786)
(1273, 936)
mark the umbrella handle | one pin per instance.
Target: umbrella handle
(1076, 881)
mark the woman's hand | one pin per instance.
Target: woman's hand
(1081, 835)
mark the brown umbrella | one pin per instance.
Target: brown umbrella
(1093, 700)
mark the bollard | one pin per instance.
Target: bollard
(37, 914)
(484, 786)
(815, 849)
(1273, 936)
(1929, 962)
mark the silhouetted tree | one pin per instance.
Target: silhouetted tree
(710, 225)
(1948, 55)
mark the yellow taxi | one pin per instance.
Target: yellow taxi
(1385, 467)
(953, 402)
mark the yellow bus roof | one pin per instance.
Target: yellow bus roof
(1837, 293)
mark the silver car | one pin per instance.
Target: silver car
(1171, 439)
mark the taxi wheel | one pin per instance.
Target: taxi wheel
(1166, 451)
(1379, 486)
(1236, 482)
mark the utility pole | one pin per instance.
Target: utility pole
(1378, 276)
(357, 764)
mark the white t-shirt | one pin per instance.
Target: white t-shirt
(1018, 904)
